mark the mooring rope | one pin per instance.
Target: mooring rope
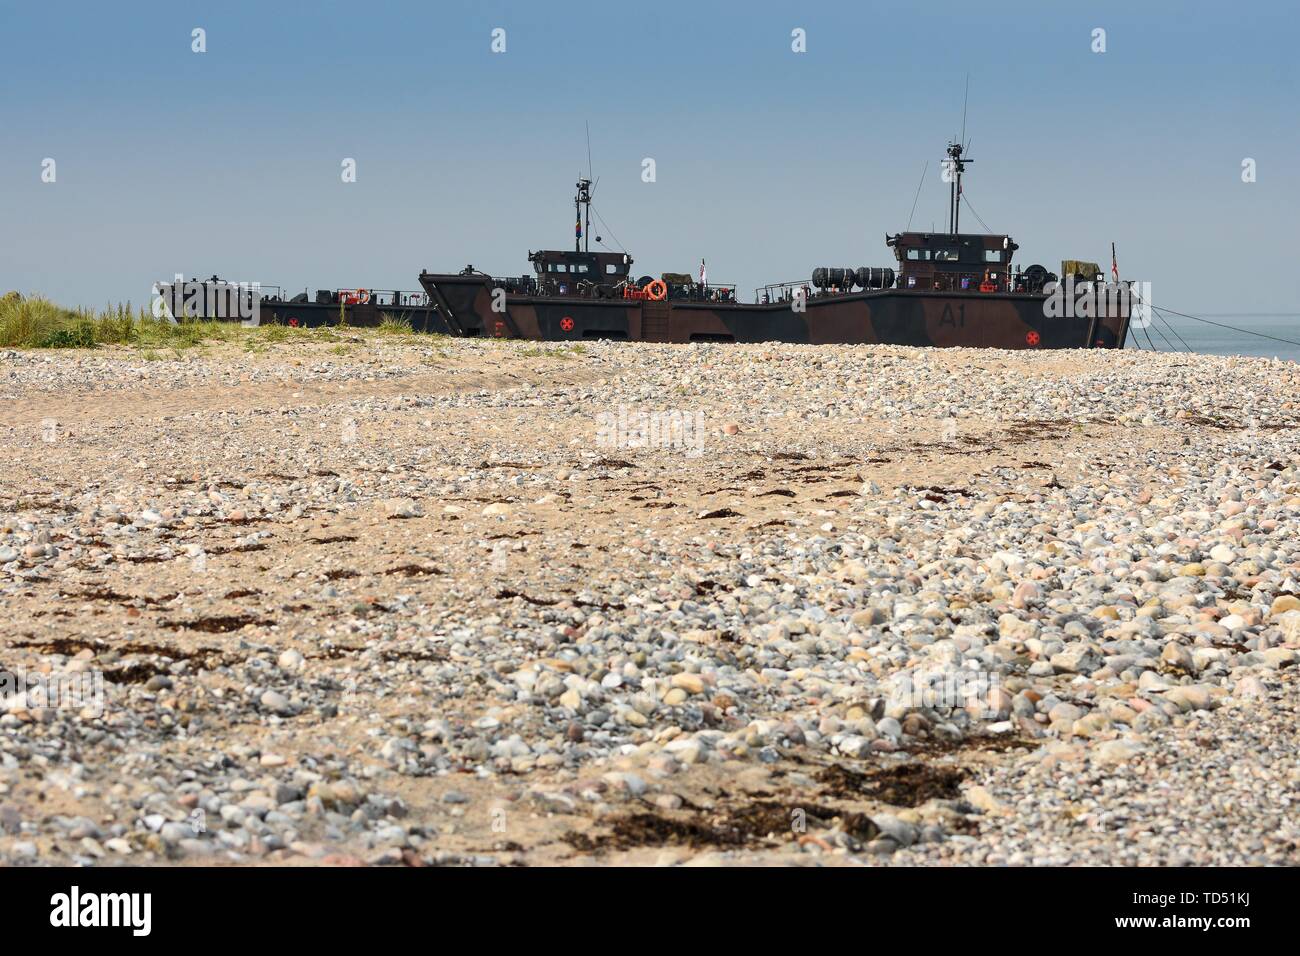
(1158, 310)
(1224, 325)
(1170, 326)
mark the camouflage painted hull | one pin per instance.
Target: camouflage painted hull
(888, 317)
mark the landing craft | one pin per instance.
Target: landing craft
(949, 288)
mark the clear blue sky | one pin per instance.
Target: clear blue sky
(769, 162)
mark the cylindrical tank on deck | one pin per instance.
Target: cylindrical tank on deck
(826, 277)
(870, 277)
(865, 277)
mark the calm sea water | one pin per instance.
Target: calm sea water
(1216, 341)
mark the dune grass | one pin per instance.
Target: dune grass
(29, 322)
(395, 324)
(36, 322)
(560, 351)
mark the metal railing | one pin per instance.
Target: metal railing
(953, 282)
(776, 292)
(713, 292)
(554, 286)
(381, 298)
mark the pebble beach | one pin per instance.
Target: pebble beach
(412, 601)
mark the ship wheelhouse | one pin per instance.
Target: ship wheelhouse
(571, 272)
(953, 262)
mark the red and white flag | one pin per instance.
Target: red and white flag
(1114, 264)
(704, 276)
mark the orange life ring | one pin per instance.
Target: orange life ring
(363, 296)
(657, 290)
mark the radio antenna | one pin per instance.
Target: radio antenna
(964, 103)
(924, 170)
(956, 164)
(587, 123)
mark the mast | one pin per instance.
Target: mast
(956, 166)
(580, 235)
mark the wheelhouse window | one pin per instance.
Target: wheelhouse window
(558, 267)
(611, 269)
(947, 255)
(992, 255)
